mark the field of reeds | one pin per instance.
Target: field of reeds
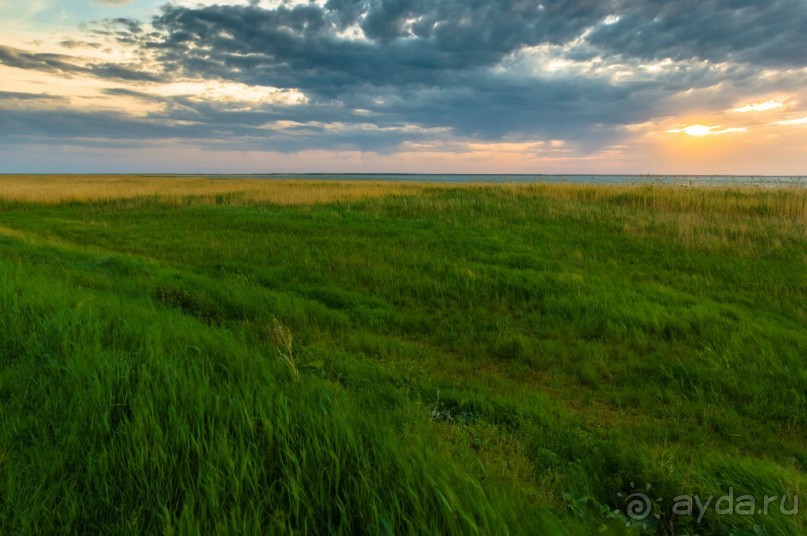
(188, 355)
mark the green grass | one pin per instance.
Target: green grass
(472, 360)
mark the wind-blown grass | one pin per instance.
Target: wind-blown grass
(421, 359)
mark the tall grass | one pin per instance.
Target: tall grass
(788, 203)
(119, 418)
(475, 359)
(56, 189)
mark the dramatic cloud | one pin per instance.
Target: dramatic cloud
(600, 77)
(769, 33)
(40, 62)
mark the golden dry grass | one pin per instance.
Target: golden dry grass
(752, 201)
(748, 221)
(715, 218)
(788, 203)
(57, 189)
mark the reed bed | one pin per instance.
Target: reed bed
(741, 201)
(59, 189)
(780, 202)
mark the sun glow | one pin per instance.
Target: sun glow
(693, 130)
(703, 130)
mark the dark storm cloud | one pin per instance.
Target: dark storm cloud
(450, 64)
(434, 59)
(408, 43)
(768, 33)
(422, 63)
(418, 42)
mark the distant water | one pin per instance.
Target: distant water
(701, 180)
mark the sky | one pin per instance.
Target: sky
(404, 86)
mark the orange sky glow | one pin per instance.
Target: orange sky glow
(63, 89)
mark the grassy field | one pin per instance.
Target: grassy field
(187, 356)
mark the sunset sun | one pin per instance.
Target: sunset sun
(703, 130)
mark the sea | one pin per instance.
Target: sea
(682, 180)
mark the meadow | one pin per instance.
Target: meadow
(187, 355)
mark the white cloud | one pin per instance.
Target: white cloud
(760, 106)
(799, 121)
(232, 92)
